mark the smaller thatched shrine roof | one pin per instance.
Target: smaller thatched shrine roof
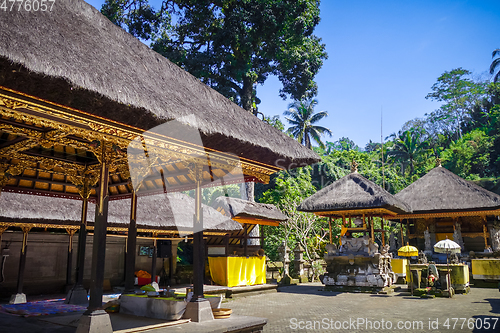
(353, 194)
(440, 190)
(249, 212)
(164, 212)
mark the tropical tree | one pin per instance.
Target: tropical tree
(302, 117)
(495, 65)
(408, 147)
(232, 45)
(460, 94)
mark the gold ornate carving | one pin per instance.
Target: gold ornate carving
(12, 104)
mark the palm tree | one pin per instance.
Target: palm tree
(302, 118)
(495, 64)
(408, 146)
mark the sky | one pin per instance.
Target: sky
(383, 58)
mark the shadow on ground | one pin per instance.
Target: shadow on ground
(310, 289)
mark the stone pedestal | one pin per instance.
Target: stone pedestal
(298, 264)
(284, 254)
(96, 321)
(17, 299)
(77, 295)
(198, 311)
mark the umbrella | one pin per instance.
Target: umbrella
(408, 251)
(447, 246)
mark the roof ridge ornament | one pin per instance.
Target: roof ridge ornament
(438, 162)
(354, 166)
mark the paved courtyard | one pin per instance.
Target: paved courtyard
(299, 308)
(306, 308)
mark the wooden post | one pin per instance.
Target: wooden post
(226, 244)
(198, 244)
(372, 230)
(22, 260)
(69, 262)
(2, 230)
(382, 227)
(408, 231)
(77, 294)
(245, 240)
(99, 245)
(131, 245)
(484, 233)
(261, 236)
(153, 263)
(82, 242)
(401, 231)
(330, 228)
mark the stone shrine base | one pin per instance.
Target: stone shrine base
(357, 289)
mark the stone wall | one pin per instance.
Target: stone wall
(46, 261)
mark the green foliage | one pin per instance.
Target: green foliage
(301, 228)
(232, 45)
(495, 65)
(408, 147)
(208, 195)
(302, 117)
(468, 157)
(275, 122)
(460, 94)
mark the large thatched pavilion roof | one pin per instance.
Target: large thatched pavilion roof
(353, 194)
(441, 191)
(163, 213)
(75, 57)
(249, 212)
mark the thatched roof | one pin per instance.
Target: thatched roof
(173, 211)
(440, 190)
(74, 56)
(352, 192)
(243, 208)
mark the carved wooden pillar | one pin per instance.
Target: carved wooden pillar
(484, 233)
(22, 260)
(198, 244)
(382, 228)
(372, 229)
(245, 239)
(330, 229)
(2, 230)
(78, 294)
(131, 246)
(69, 262)
(153, 262)
(19, 297)
(99, 243)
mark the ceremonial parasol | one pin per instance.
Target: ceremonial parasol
(447, 246)
(408, 251)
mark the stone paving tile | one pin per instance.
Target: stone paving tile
(309, 304)
(330, 310)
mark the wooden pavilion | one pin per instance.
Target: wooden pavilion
(358, 263)
(248, 214)
(354, 196)
(159, 217)
(447, 206)
(76, 91)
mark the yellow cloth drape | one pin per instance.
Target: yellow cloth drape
(237, 271)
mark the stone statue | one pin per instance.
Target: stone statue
(422, 258)
(457, 236)
(428, 246)
(495, 236)
(392, 242)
